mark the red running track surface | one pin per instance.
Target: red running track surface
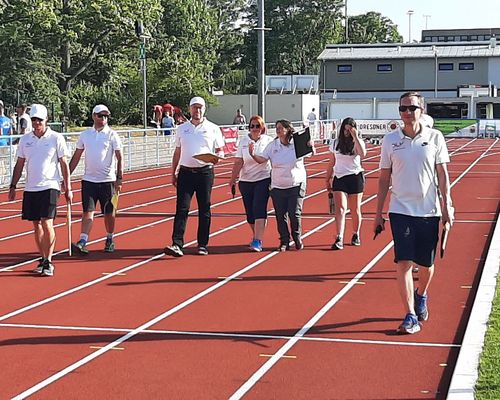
(296, 325)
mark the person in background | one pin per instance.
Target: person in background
(191, 175)
(102, 176)
(312, 117)
(412, 157)
(348, 182)
(254, 179)
(167, 122)
(43, 152)
(288, 183)
(157, 115)
(239, 119)
(5, 126)
(23, 120)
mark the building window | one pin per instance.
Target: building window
(480, 37)
(449, 38)
(473, 38)
(465, 38)
(446, 66)
(344, 68)
(466, 66)
(384, 67)
(441, 38)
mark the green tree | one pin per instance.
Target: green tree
(372, 27)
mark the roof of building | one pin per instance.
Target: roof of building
(406, 51)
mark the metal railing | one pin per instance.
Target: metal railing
(142, 148)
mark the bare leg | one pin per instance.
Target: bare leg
(259, 228)
(49, 238)
(340, 211)
(354, 201)
(405, 284)
(38, 231)
(424, 279)
(87, 221)
(109, 223)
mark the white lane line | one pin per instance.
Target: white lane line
(229, 335)
(308, 325)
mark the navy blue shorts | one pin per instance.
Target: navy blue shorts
(97, 192)
(350, 184)
(255, 197)
(40, 205)
(415, 238)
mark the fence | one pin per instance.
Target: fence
(146, 148)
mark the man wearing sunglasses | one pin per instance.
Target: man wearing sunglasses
(102, 176)
(414, 159)
(43, 151)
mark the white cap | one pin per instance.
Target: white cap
(100, 108)
(1, 103)
(38, 111)
(197, 100)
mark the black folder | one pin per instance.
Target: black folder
(301, 140)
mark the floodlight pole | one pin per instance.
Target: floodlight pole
(346, 23)
(410, 13)
(142, 57)
(261, 74)
(434, 49)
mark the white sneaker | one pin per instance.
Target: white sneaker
(48, 269)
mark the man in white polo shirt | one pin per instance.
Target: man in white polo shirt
(42, 151)
(191, 175)
(102, 177)
(414, 158)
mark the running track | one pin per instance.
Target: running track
(310, 324)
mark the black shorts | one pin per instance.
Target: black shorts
(40, 205)
(415, 238)
(97, 192)
(350, 184)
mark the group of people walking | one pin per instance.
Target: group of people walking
(413, 159)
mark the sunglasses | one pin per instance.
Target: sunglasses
(101, 116)
(254, 126)
(411, 108)
(34, 119)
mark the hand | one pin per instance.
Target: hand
(353, 131)
(12, 194)
(69, 196)
(378, 224)
(251, 148)
(118, 185)
(174, 180)
(328, 185)
(448, 215)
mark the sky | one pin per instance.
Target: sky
(444, 14)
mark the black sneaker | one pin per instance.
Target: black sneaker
(174, 251)
(283, 247)
(48, 269)
(81, 246)
(355, 240)
(339, 244)
(39, 268)
(109, 246)
(202, 251)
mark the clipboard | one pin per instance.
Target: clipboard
(208, 157)
(444, 239)
(301, 140)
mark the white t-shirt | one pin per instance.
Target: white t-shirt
(286, 170)
(252, 171)
(42, 159)
(413, 164)
(100, 160)
(203, 138)
(345, 164)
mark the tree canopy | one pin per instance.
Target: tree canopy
(72, 54)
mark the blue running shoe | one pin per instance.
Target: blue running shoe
(421, 306)
(256, 245)
(409, 325)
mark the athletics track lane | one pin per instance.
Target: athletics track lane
(284, 279)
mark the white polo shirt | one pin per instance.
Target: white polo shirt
(42, 159)
(413, 164)
(252, 171)
(345, 164)
(286, 170)
(100, 160)
(206, 137)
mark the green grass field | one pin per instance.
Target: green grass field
(488, 384)
(452, 125)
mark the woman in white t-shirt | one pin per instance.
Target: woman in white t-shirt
(254, 179)
(348, 182)
(288, 184)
